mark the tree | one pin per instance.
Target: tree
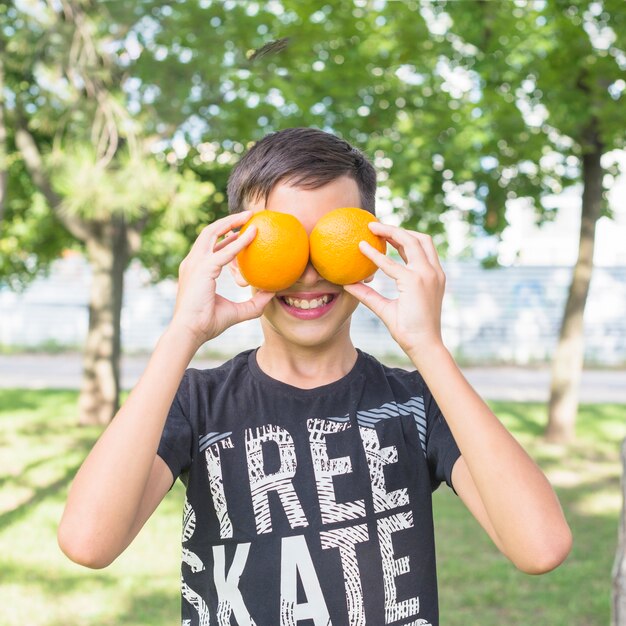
(25, 222)
(558, 67)
(93, 83)
(88, 164)
(444, 96)
(4, 175)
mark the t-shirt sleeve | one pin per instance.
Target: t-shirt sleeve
(175, 445)
(441, 449)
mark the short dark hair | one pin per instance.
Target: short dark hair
(304, 157)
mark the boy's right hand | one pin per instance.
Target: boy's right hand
(120, 483)
(199, 309)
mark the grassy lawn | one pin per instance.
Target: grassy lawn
(479, 586)
(41, 449)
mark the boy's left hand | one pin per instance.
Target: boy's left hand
(508, 495)
(414, 317)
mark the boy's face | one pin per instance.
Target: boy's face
(312, 311)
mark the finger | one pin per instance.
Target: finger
(426, 241)
(225, 226)
(224, 241)
(395, 236)
(232, 236)
(383, 262)
(398, 247)
(253, 308)
(229, 248)
(409, 247)
(387, 238)
(207, 239)
(369, 297)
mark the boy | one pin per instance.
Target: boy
(309, 466)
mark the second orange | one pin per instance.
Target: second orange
(334, 245)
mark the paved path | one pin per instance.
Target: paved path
(36, 371)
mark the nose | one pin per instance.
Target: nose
(310, 276)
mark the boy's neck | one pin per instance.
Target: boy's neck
(306, 367)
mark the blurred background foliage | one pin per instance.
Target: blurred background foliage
(119, 122)
(448, 98)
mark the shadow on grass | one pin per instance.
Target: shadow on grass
(58, 583)
(152, 607)
(594, 525)
(17, 479)
(38, 413)
(140, 607)
(18, 400)
(12, 516)
(16, 514)
(145, 608)
(480, 586)
(521, 417)
(600, 423)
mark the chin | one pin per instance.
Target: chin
(308, 338)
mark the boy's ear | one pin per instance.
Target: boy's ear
(233, 266)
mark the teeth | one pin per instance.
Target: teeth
(307, 304)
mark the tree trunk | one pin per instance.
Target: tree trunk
(619, 568)
(110, 244)
(107, 250)
(568, 359)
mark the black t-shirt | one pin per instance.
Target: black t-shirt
(307, 507)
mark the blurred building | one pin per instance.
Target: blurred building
(505, 315)
(511, 314)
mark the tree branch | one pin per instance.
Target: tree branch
(27, 145)
(29, 150)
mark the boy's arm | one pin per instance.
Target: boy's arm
(123, 480)
(500, 484)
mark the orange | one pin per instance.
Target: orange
(278, 254)
(334, 245)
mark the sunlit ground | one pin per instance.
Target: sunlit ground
(479, 586)
(41, 449)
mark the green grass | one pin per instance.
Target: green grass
(479, 586)
(41, 449)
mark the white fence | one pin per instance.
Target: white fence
(505, 315)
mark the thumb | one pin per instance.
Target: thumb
(252, 308)
(369, 297)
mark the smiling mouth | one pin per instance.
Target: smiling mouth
(305, 304)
